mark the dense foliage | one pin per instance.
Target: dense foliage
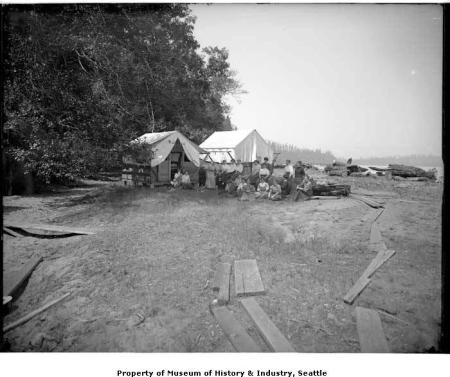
(82, 80)
(294, 153)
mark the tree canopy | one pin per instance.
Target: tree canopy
(83, 80)
(294, 153)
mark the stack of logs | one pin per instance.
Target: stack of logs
(337, 169)
(330, 189)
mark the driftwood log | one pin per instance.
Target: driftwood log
(406, 171)
(331, 190)
(376, 168)
(355, 169)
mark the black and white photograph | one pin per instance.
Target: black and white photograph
(222, 178)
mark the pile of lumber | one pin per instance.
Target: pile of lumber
(247, 282)
(406, 171)
(337, 170)
(330, 189)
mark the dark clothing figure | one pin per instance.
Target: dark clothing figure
(202, 176)
(299, 173)
(286, 187)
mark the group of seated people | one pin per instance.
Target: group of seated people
(262, 184)
(182, 180)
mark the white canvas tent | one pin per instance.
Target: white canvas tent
(244, 145)
(168, 151)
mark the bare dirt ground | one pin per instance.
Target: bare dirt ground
(155, 252)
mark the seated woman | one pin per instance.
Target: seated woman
(176, 179)
(275, 191)
(262, 191)
(186, 181)
(305, 189)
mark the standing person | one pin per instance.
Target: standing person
(256, 167)
(299, 172)
(264, 172)
(234, 173)
(269, 166)
(210, 176)
(202, 175)
(289, 175)
(299, 175)
(288, 170)
(220, 176)
(254, 176)
(232, 166)
(239, 167)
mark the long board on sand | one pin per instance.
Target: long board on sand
(247, 279)
(376, 242)
(34, 313)
(382, 257)
(356, 289)
(224, 284)
(370, 331)
(235, 332)
(272, 336)
(10, 232)
(12, 281)
(47, 227)
(221, 270)
(364, 280)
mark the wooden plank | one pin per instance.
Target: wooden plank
(47, 227)
(376, 242)
(270, 333)
(370, 331)
(375, 234)
(12, 281)
(364, 280)
(224, 285)
(220, 271)
(34, 313)
(382, 257)
(10, 232)
(357, 288)
(236, 334)
(247, 278)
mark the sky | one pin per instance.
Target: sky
(358, 80)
